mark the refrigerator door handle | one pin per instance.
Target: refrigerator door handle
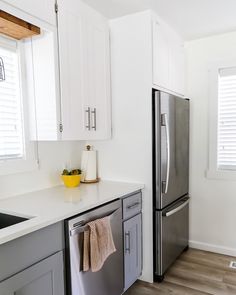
(165, 122)
(175, 210)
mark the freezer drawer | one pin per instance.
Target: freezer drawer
(172, 234)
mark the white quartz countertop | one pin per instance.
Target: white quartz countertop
(52, 205)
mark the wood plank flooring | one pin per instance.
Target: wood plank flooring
(194, 273)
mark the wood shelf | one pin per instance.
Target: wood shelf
(16, 28)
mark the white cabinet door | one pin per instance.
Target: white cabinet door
(84, 68)
(168, 59)
(42, 83)
(132, 250)
(43, 9)
(161, 56)
(98, 86)
(72, 69)
(43, 278)
(177, 68)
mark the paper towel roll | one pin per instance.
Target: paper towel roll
(89, 166)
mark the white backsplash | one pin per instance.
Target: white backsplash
(53, 157)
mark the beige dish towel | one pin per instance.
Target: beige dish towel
(98, 244)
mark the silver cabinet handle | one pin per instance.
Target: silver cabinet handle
(165, 123)
(88, 124)
(94, 113)
(2, 70)
(175, 210)
(133, 205)
(127, 244)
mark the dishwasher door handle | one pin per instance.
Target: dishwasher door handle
(82, 228)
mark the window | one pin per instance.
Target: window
(222, 121)
(17, 153)
(226, 155)
(11, 132)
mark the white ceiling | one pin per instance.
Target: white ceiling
(191, 18)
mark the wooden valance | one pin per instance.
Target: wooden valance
(15, 27)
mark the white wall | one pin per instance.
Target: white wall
(128, 156)
(213, 204)
(53, 157)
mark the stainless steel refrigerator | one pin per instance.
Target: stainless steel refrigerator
(170, 179)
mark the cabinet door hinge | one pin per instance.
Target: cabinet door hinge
(56, 7)
(60, 127)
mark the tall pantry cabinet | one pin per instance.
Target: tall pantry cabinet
(142, 58)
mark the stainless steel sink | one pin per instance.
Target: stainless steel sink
(8, 220)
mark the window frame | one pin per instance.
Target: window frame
(213, 172)
(29, 161)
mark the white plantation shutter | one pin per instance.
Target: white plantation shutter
(226, 158)
(11, 132)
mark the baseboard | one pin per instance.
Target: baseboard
(212, 248)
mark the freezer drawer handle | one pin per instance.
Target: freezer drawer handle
(165, 184)
(82, 228)
(169, 213)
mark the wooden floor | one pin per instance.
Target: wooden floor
(194, 273)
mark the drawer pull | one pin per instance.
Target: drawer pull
(127, 242)
(133, 206)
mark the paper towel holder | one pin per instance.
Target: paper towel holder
(83, 180)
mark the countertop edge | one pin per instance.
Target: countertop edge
(37, 223)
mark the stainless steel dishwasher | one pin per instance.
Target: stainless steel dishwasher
(107, 281)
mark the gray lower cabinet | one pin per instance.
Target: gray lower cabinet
(21, 253)
(132, 250)
(43, 278)
(132, 231)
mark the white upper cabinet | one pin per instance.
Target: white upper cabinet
(177, 67)
(42, 84)
(72, 70)
(84, 72)
(161, 56)
(42, 9)
(98, 78)
(67, 69)
(168, 58)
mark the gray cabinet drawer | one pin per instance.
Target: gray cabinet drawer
(132, 205)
